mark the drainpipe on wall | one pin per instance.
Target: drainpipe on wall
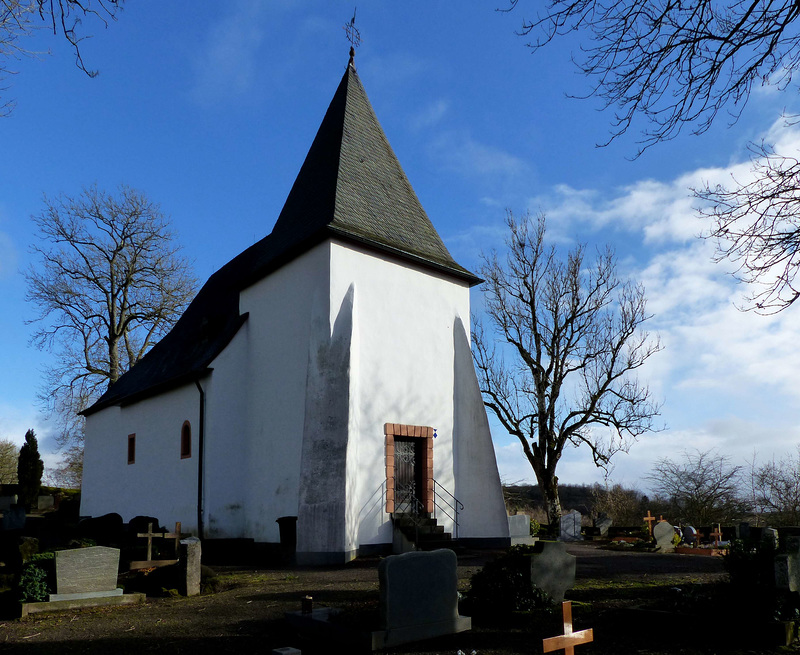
(201, 433)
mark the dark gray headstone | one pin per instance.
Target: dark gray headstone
(45, 502)
(86, 573)
(14, 518)
(553, 569)
(6, 502)
(690, 535)
(419, 597)
(571, 526)
(743, 530)
(663, 533)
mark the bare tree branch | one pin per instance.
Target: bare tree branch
(567, 342)
(756, 225)
(21, 18)
(674, 64)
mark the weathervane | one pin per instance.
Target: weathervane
(353, 35)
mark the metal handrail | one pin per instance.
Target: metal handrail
(454, 506)
(443, 501)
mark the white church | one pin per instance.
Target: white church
(324, 373)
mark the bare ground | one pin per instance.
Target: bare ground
(245, 615)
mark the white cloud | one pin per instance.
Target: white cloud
(228, 63)
(430, 115)
(459, 152)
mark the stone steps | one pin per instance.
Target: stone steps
(423, 531)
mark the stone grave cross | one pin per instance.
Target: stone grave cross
(649, 519)
(569, 639)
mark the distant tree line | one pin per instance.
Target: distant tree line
(698, 488)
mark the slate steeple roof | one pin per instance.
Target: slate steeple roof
(351, 187)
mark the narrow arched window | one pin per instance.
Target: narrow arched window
(131, 448)
(186, 440)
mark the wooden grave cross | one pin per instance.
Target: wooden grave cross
(649, 518)
(150, 535)
(716, 534)
(569, 639)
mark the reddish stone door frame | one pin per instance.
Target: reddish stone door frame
(392, 430)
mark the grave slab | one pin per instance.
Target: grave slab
(74, 604)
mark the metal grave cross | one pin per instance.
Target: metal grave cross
(569, 639)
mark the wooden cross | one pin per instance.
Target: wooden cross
(649, 519)
(150, 535)
(569, 639)
(716, 534)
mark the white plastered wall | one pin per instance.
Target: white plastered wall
(225, 441)
(403, 354)
(280, 310)
(159, 483)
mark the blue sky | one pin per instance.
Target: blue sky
(209, 108)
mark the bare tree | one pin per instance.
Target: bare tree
(109, 283)
(570, 345)
(776, 489)
(756, 225)
(20, 18)
(623, 505)
(701, 489)
(675, 63)
(9, 452)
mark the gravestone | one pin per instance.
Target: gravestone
(743, 531)
(14, 518)
(571, 526)
(519, 529)
(6, 502)
(663, 533)
(553, 569)
(45, 502)
(770, 536)
(604, 525)
(190, 555)
(86, 573)
(418, 598)
(787, 571)
(690, 535)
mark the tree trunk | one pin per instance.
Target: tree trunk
(552, 504)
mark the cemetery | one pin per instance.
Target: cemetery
(135, 586)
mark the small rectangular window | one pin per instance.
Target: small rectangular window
(131, 448)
